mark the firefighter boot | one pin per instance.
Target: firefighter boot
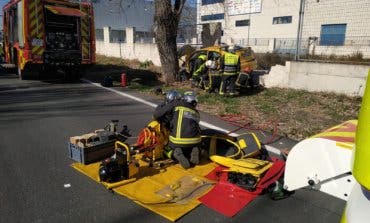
(194, 156)
(179, 156)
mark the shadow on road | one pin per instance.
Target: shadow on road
(143, 77)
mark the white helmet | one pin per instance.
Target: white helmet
(211, 64)
(231, 49)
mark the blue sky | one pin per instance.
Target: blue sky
(2, 3)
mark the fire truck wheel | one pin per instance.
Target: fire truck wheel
(29, 72)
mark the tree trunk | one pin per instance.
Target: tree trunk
(166, 22)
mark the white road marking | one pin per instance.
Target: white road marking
(205, 124)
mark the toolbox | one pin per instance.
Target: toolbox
(87, 155)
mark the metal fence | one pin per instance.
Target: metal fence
(117, 36)
(350, 48)
(99, 35)
(252, 41)
(144, 37)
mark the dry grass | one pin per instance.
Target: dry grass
(295, 113)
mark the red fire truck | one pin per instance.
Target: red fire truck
(41, 36)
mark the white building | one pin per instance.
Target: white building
(337, 27)
(250, 22)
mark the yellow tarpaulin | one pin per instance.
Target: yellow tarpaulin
(143, 190)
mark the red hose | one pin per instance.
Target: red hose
(241, 121)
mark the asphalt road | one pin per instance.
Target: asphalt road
(36, 120)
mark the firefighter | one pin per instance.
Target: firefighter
(185, 130)
(213, 80)
(165, 119)
(199, 71)
(230, 67)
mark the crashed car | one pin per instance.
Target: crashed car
(188, 56)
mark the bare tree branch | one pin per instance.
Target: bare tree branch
(179, 5)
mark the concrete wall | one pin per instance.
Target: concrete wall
(129, 49)
(327, 77)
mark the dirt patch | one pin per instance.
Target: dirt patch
(296, 114)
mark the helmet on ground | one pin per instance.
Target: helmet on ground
(190, 97)
(172, 95)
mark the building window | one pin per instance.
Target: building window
(282, 20)
(212, 17)
(208, 2)
(333, 35)
(242, 22)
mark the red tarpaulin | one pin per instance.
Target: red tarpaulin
(228, 199)
(65, 11)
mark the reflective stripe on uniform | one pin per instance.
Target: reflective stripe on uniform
(200, 69)
(181, 111)
(181, 108)
(185, 141)
(202, 57)
(179, 122)
(230, 64)
(178, 139)
(229, 73)
(231, 59)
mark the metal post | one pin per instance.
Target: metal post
(299, 30)
(249, 26)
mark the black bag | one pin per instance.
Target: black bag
(242, 79)
(246, 181)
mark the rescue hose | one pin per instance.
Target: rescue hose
(242, 123)
(145, 136)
